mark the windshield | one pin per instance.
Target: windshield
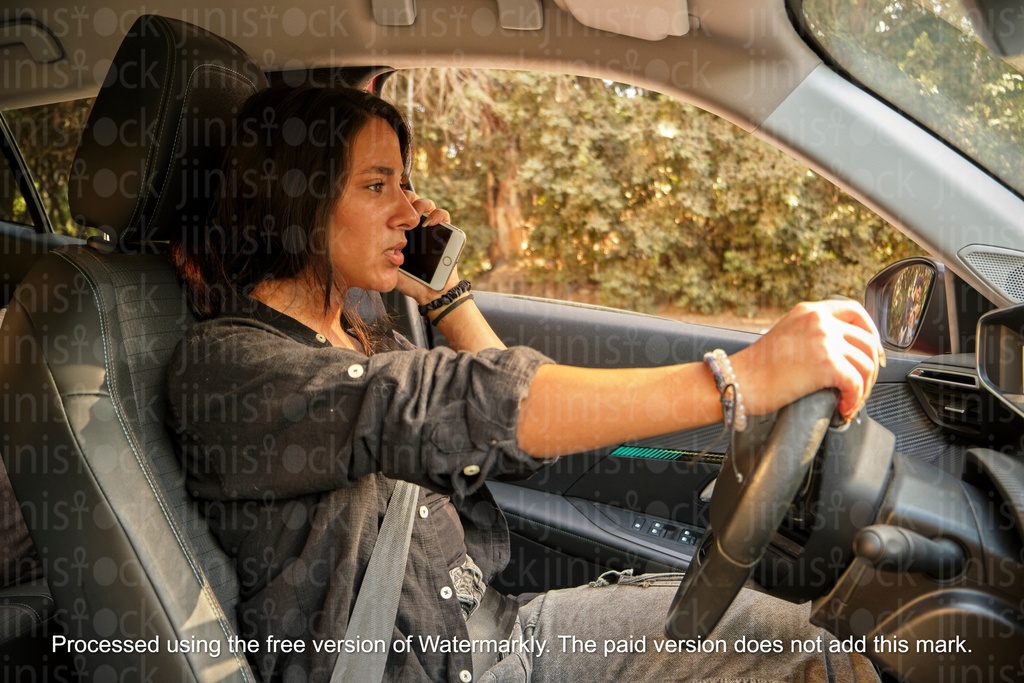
(926, 59)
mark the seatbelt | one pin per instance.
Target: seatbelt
(492, 620)
(382, 585)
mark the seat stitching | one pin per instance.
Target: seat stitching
(36, 614)
(181, 117)
(197, 573)
(165, 96)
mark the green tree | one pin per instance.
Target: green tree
(631, 198)
(48, 136)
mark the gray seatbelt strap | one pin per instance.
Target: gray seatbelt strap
(382, 586)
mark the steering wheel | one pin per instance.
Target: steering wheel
(752, 495)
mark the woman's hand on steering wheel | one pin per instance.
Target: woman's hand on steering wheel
(816, 345)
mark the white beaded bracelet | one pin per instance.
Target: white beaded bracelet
(733, 410)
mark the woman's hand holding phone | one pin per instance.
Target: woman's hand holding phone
(465, 328)
(431, 253)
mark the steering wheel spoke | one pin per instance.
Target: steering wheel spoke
(746, 511)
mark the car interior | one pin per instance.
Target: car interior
(905, 527)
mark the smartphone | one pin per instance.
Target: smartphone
(431, 253)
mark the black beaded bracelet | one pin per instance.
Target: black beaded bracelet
(446, 298)
(452, 307)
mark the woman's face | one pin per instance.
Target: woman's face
(369, 221)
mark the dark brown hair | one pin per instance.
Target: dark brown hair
(279, 182)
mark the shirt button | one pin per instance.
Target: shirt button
(471, 470)
(424, 512)
(446, 592)
(355, 371)
(465, 676)
(321, 338)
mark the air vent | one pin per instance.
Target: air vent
(950, 398)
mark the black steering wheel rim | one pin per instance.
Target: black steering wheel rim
(745, 516)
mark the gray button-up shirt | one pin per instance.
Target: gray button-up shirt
(293, 446)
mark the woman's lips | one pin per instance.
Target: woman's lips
(395, 255)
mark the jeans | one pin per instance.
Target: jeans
(610, 631)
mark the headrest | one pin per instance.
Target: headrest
(149, 161)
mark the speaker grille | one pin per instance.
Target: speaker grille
(1003, 269)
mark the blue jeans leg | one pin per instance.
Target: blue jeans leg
(610, 631)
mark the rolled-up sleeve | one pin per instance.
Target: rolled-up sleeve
(258, 413)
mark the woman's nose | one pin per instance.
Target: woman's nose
(406, 216)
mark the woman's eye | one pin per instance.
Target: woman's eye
(376, 187)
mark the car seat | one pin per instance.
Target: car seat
(128, 558)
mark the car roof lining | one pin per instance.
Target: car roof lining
(739, 60)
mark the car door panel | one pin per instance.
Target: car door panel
(592, 336)
(595, 511)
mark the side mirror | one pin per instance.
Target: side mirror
(920, 306)
(901, 298)
(902, 301)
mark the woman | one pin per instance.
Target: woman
(295, 417)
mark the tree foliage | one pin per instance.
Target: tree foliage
(48, 136)
(588, 186)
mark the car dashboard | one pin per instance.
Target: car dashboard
(978, 398)
(1001, 359)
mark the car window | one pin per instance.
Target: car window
(592, 191)
(14, 208)
(927, 60)
(47, 137)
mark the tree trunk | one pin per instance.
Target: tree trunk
(505, 214)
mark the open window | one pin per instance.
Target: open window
(595, 192)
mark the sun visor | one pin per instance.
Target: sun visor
(646, 19)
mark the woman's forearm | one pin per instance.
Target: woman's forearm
(465, 327)
(571, 409)
(815, 345)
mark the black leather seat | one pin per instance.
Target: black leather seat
(20, 247)
(27, 622)
(127, 554)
